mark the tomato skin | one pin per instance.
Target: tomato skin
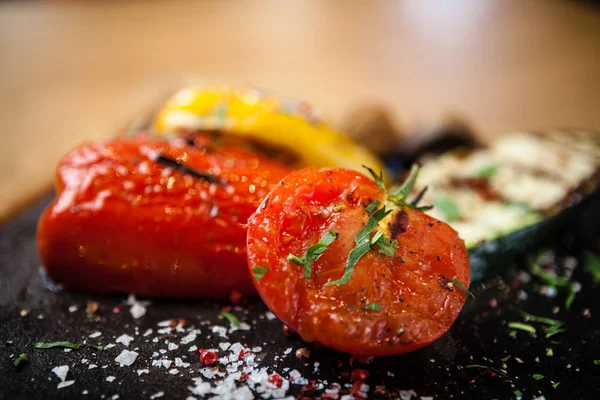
(417, 300)
(122, 222)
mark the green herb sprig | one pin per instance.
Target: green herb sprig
(231, 318)
(314, 252)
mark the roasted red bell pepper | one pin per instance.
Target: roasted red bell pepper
(155, 217)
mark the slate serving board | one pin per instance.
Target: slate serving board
(456, 366)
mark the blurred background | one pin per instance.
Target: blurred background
(75, 71)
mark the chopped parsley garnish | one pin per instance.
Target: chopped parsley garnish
(314, 252)
(542, 320)
(592, 265)
(259, 272)
(95, 346)
(518, 393)
(448, 207)
(505, 359)
(377, 178)
(522, 327)
(462, 288)
(555, 384)
(231, 318)
(49, 345)
(559, 283)
(385, 246)
(487, 172)
(363, 244)
(496, 370)
(400, 196)
(537, 377)
(373, 307)
(21, 359)
(553, 330)
(596, 362)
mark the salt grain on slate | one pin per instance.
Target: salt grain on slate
(61, 372)
(95, 334)
(126, 357)
(157, 395)
(64, 384)
(124, 339)
(110, 378)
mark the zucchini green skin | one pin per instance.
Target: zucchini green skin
(492, 258)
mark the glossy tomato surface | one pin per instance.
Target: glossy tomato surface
(123, 221)
(391, 304)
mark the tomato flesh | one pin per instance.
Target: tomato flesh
(391, 305)
(123, 222)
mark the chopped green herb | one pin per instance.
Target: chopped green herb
(400, 196)
(448, 207)
(522, 327)
(543, 320)
(555, 384)
(596, 362)
(505, 359)
(231, 318)
(21, 358)
(377, 178)
(518, 393)
(570, 296)
(592, 265)
(549, 352)
(373, 307)
(95, 346)
(487, 172)
(376, 237)
(462, 288)
(371, 207)
(259, 272)
(363, 245)
(49, 345)
(355, 254)
(487, 368)
(512, 334)
(314, 252)
(553, 330)
(385, 246)
(537, 377)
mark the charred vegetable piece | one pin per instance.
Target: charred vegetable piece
(154, 217)
(382, 273)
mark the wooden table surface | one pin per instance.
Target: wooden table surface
(71, 72)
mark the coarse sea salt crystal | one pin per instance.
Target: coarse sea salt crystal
(193, 348)
(189, 338)
(157, 395)
(297, 378)
(142, 371)
(73, 308)
(224, 345)
(147, 333)
(61, 372)
(162, 363)
(124, 339)
(64, 384)
(95, 334)
(172, 346)
(407, 394)
(200, 388)
(220, 330)
(270, 316)
(166, 322)
(92, 366)
(287, 351)
(174, 371)
(110, 346)
(138, 308)
(110, 378)
(126, 357)
(180, 363)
